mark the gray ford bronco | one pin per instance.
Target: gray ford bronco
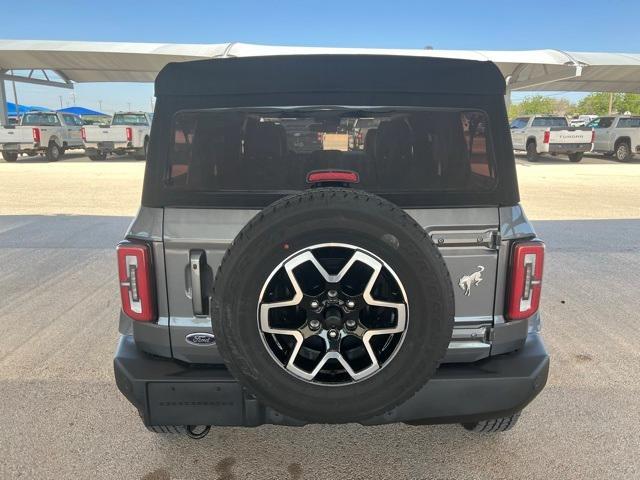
(283, 271)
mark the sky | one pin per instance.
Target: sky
(584, 25)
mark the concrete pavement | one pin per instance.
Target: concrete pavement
(61, 415)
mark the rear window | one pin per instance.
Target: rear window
(132, 119)
(549, 122)
(41, 119)
(392, 150)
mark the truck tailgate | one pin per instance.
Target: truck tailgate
(16, 135)
(105, 134)
(570, 135)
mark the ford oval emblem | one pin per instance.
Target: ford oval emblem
(201, 339)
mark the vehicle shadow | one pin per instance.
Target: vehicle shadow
(75, 156)
(589, 158)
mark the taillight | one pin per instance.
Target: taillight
(547, 135)
(344, 176)
(525, 280)
(36, 135)
(136, 281)
(593, 135)
(83, 133)
(129, 134)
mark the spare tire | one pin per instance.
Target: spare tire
(332, 306)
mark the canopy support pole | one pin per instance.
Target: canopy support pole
(4, 118)
(507, 93)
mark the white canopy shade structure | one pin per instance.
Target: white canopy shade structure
(80, 62)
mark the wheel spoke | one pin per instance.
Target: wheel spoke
(327, 302)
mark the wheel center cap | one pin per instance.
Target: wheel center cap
(333, 318)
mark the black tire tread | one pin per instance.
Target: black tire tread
(321, 195)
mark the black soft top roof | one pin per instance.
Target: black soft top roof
(329, 73)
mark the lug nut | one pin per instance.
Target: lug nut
(351, 324)
(333, 334)
(351, 304)
(332, 294)
(314, 304)
(314, 324)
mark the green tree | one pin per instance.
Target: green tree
(598, 103)
(537, 104)
(630, 102)
(541, 105)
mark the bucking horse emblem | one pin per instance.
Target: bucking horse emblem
(474, 279)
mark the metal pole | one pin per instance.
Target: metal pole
(610, 103)
(4, 118)
(15, 96)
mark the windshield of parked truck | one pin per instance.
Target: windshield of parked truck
(412, 150)
(131, 119)
(549, 122)
(40, 119)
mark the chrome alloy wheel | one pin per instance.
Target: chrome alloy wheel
(333, 314)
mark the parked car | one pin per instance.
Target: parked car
(537, 134)
(617, 137)
(49, 133)
(582, 120)
(128, 132)
(264, 284)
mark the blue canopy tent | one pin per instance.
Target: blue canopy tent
(11, 109)
(83, 111)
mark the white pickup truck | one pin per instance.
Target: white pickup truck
(49, 133)
(537, 134)
(127, 133)
(617, 137)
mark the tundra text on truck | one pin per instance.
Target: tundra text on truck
(543, 134)
(273, 278)
(127, 133)
(49, 133)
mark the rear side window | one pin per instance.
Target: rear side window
(549, 122)
(629, 122)
(412, 151)
(602, 122)
(519, 123)
(72, 120)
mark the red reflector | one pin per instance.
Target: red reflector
(136, 281)
(525, 280)
(36, 134)
(129, 134)
(547, 134)
(83, 133)
(332, 176)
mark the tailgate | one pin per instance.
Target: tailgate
(467, 238)
(570, 135)
(105, 134)
(16, 135)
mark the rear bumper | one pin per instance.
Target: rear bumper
(110, 146)
(166, 392)
(20, 147)
(569, 147)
